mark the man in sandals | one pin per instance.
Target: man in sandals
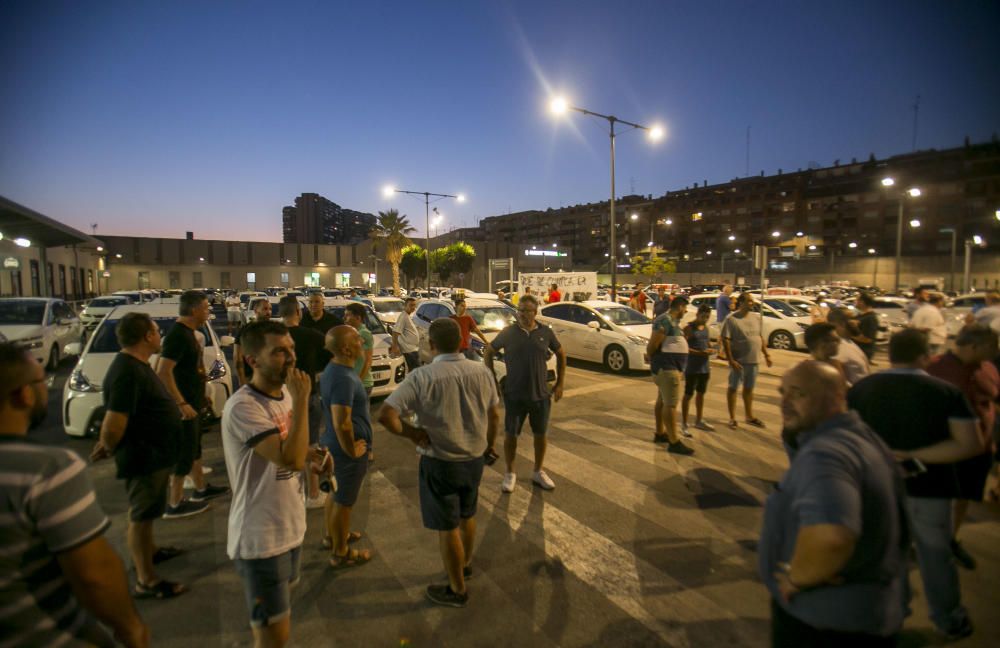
(265, 437)
(743, 341)
(141, 428)
(347, 436)
(457, 407)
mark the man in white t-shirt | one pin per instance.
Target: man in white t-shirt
(850, 356)
(232, 312)
(928, 318)
(405, 337)
(265, 436)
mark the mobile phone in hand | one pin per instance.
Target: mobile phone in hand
(912, 467)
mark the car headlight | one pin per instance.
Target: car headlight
(217, 371)
(79, 382)
(638, 339)
(31, 342)
(803, 325)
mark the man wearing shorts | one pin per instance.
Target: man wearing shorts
(182, 370)
(697, 370)
(457, 408)
(526, 345)
(233, 315)
(265, 438)
(347, 437)
(668, 352)
(141, 428)
(743, 341)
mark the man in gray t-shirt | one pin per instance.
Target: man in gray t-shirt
(743, 340)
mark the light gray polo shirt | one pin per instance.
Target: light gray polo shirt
(451, 398)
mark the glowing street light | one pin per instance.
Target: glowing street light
(915, 222)
(650, 244)
(656, 133)
(732, 237)
(634, 217)
(708, 252)
(775, 234)
(736, 251)
(389, 190)
(23, 242)
(559, 106)
(888, 182)
(977, 240)
(460, 198)
(852, 245)
(671, 222)
(912, 192)
(799, 234)
(871, 250)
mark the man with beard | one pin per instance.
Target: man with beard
(141, 428)
(265, 437)
(262, 313)
(832, 545)
(58, 571)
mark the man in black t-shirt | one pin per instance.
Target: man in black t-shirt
(141, 428)
(182, 370)
(868, 324)
(317, 319)
(924, 418)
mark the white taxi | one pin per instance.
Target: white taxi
(600, 331)
(43, 325)
(387, 371)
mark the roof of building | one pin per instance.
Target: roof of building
(18, 221)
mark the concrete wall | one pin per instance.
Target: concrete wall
(66, 262)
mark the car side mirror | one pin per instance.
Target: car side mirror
(594, 325)
(227, 340)
(73, 348)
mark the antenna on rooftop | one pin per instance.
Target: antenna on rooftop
(916, 114)
(93, 228)
(747, 174)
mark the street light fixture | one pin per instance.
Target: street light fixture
(912, 192)
(732, 237)
(915, 223)
(799, 234)
(852, 245)
(775, 234)
(560, 106)
(389, 190)
(954, 237)
(975, 241)
(635, 217)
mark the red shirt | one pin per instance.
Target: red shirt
(465, 323)
(554, 296)
(640, 299)
(980, 384)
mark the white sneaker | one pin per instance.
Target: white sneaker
(508, 482)
(702, 425)
(686, 433)
(316, 502)
(543, 480)
(206, 470)
(188, 483)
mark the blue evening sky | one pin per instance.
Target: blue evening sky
(153, 118)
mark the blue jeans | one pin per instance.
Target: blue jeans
(930, 520)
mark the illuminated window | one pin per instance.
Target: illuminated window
(696, 216)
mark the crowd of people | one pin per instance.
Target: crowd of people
(879, 462)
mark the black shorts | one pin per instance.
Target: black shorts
(147, 495)
(412, 360)
(516, 411)
(350, 474)
(449, 491)
(695, 382)
(188, 446)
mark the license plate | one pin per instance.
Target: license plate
(380, 375)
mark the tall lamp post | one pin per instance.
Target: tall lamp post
(560, 106)
(388, 191)
(912, 193)
(954, 236)
(975, 241)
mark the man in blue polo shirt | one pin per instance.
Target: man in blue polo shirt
(668, 353)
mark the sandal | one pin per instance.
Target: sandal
(661, 438)
(164, 589)
(353, 536)
(164, 554)
(353, 558)
(733, 424)
(756, 422)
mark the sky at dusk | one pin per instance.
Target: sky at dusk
(154, 118)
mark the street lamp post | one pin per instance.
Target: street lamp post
(954, 236)
(560, 106)
(913, 193)
(388, 191)
(975, 241)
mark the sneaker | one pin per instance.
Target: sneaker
(702, 425)
(961, 556)
(188, 483)
(958, 630)
(686, 433)
(543, 480)
(467, 572)
(316, 502)
(186, 508)
(206, 470)
(680, 448)
(208, 493)
(442, 595)
(508, 482)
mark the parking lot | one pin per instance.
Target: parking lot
(634, 547)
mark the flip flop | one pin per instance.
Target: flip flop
(352, 537)
(353, 558)
(164, 554)
(162, 590)
(733, 424)
(756, 422)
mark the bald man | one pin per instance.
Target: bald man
(832, 544)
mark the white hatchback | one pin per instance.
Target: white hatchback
(83, 403)
(43, 325)
(784, 325)
(97, 308)
(600, 331)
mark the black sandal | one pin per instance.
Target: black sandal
(164, 589)
(164, 554)
(756, 422)
(353, 558)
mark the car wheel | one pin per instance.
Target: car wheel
(615, 359)
(53, 357)
(781, 340)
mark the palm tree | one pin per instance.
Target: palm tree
(391, 229)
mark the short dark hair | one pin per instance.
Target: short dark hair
(680, 300)
(704, 309)
(839, 315)
(253, 337)
(866, 299)
(132, 328)
(458, 300)
(976, 335)
(356, 309)
(923, 287)
(744, 296)
(815, 333)
(15, 362)
(258, 301)
(908, 346)
(528, 299)
(288, 306)
(191, 299)
(445, 335)
(410, 299)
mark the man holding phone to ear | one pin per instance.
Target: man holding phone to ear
(927, 419)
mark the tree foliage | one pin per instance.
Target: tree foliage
(413, 262)
(654, 267)
(454, 259)
(391, 229)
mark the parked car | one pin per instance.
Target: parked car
(82, 405)
(490, 315)
(97, 308)
(44, 325)
(959, 308)
(784, 325)
(600, 331)
(386, 308)
(387, 371)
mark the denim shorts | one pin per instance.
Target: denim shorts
(449, 491)
(747, 375)
(517, 410)
(266, 585)
(350, 474)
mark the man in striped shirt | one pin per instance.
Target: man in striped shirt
(57, 570)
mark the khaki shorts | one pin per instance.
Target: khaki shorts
(668, 381)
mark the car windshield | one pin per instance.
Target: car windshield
(372, 323)
(389, 306)
(492, 318)
(108, 302)
(785, 308)
(21, 311)
(623, 316)
(105, 340)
